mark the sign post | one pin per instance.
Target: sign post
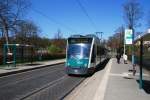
(141, 63)
(128, 36)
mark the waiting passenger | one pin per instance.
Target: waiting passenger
(118, 56)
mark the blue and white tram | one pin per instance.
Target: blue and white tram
(83, 53)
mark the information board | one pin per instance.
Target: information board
(128, 36)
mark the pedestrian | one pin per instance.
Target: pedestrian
(118, 56)
(125, 58)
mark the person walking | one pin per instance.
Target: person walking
(118, 56)
(125, 58)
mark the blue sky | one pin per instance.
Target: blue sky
(67, 15)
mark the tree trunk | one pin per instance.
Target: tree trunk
(5, 30)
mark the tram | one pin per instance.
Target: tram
(83, 54)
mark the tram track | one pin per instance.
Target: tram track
(5, 80)
(54, 90)
(55, 82)
(28, 78)
(50, 81)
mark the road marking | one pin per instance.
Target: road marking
(100, 93)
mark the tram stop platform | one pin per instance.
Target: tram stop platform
(113, 82)
(7, 70)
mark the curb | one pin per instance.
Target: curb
(25, 70)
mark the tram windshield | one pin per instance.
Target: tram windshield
(79, 51)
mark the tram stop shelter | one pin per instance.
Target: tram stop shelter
(17, 53)
(143, 42)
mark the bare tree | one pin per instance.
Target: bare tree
(117, 40)
(132, 13)
(10, 11)
(148, 20)
(58, 35)
(113, 42)
(27, 32)
(120, 35)
(58, 40)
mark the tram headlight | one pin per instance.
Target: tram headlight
(85, 65)
(68, 64)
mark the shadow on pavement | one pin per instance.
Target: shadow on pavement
(146, 86)
(80, 76)
(102, 65)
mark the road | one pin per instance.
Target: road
(48, 83)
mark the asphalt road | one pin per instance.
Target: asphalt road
(48, 83)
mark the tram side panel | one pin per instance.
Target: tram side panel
(93, 59)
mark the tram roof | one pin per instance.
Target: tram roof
(86, 36)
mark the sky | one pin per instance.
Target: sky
(81, 16)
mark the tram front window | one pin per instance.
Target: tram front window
(79, 51)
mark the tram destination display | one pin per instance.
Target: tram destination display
(79, 40)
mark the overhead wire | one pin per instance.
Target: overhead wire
(54, 21)
(86, 13)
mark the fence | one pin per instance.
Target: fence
(29, 54)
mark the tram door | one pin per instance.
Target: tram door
(93, 59)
